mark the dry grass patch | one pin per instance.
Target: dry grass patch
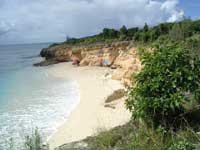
(115, 95)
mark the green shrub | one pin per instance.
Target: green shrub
(169, 79)
(182, 145)
(194, 43)
(54, 44)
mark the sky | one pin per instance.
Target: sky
(37, 21)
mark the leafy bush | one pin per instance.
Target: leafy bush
(177, 32)
(54, 44)
(181, 145)
(193, 42)
(169, 80)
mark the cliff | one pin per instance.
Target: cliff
(120, 56)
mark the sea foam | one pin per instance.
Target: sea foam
(30, 98)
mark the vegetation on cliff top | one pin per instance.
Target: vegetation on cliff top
(177, 31)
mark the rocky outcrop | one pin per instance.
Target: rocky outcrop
(119, 56)
(103, 55)
(116, 95)
(127, 62)
(55, 54)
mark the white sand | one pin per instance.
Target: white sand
(90, 115)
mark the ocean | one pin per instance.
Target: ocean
(31, 98)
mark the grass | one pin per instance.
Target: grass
(139, 136)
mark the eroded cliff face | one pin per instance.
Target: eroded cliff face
(55, 54)
(127, 63)
(120, 56)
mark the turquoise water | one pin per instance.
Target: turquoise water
(29, 96)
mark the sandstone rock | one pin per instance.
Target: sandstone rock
(96, 61)
(118, 74)
(84, 62)
(46, 63)
(119, 56)
(113, 67)
(76, 62)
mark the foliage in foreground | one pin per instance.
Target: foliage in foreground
(32, 142)
(137, 136)
(167, 90)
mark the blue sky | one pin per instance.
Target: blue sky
(191, 8)
(33, 21)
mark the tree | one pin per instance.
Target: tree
(163, 28)
(113, 33)
(145, 35)
(154, 35)
(72, 41)
(146, 28)
(136, 36)
(105, 32)
(123, 32)
(177, 33)
(131, 32)
(169, 80)
(110, 33)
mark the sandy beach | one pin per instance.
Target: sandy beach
(90, 115)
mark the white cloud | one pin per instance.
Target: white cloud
(175, 16)
(170, 8)
(51, 20)
(170, 5)
(5, 27)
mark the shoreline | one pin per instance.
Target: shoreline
(90, 115)
(65, 118)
